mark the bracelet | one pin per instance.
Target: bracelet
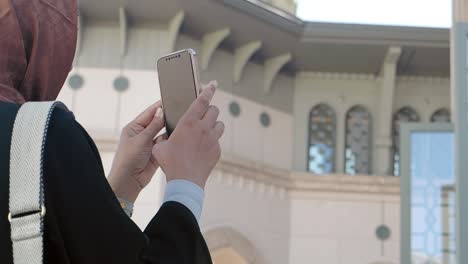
(126, 206)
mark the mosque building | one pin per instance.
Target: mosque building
(312, 164)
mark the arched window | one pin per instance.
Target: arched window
(441, 116)
(404, 115)
(358, 141)
(322, 127)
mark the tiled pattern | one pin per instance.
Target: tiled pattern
(322, 129)
(358, 141)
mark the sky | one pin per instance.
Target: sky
(421, 13)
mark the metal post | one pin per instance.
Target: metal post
(459, 66)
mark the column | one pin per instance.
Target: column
(459, 79)
(383, 144)
(340, 139)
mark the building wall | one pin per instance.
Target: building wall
(425, 95)
(254, 190)
(100, 49)
(340, 228)
(343, 91)
(104, 112)
(257, 210)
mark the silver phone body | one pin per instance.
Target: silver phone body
(179, 84)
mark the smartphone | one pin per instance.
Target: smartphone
(179, 83)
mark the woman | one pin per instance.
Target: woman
(85, 222)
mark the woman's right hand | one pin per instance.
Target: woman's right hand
(193, 149)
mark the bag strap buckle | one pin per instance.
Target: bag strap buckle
(42, 212)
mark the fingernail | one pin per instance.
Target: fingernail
(213, 85)
(159, 113)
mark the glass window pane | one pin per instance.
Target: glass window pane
(358, 141)
(432, 197)
(441, 116)
(404, 115)
(322, 126)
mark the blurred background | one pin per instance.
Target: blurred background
(317, 166)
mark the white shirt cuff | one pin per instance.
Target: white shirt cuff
(186, 193)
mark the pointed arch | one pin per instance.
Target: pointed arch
(227, 238)
(322, 136)
(441, 115)
(403, 115)
(358, 141)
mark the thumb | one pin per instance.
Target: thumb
(156, 124)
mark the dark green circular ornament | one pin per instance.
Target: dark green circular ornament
(265, 119)
(234, 109)
(383, 232)
(121, 84)
(75, 81)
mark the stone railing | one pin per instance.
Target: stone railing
(302, 181)
(266, 178)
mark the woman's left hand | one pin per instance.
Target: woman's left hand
(134, 165)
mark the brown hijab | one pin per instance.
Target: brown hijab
(37, 46)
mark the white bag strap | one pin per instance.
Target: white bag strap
(27, 208)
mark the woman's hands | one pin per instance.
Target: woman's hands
(193, 149)
(190, 154)
(134, 165)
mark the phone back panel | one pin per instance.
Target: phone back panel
(177, 81)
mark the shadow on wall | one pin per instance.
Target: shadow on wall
(228, 246)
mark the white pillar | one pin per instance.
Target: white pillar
(340, 137)
(459, 72)
(383, 142)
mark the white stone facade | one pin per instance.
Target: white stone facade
(261, 205)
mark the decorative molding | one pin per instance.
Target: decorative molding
(174, 29)
(210, 43)
(271, 177)
(374, 35)
(264, 12)
(338, 76)
(258, 178)
(123, 22)
(242, 56)
(424, 79)
(272, 69)
(377, 185)
(343, 76)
